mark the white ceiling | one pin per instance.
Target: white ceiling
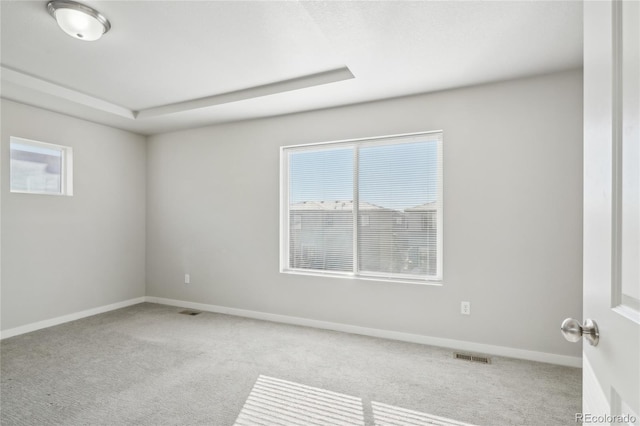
(167, 65)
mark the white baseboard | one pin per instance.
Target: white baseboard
(365, 331)
(565, 360)
(5, 334)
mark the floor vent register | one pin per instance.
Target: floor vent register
(474, 358)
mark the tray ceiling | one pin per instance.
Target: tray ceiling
(167, 65)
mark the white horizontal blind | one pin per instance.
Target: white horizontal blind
(320, 209)
(383, 194)
(398, 186)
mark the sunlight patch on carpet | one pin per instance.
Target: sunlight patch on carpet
(389, 415)
(279, 402)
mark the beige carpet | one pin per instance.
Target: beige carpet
(281, 402)
(275, 402)
(148, 365)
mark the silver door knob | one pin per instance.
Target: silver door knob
(573, 331)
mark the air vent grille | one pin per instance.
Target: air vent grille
(482, 359)
(190, 312)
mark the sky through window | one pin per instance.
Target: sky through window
(385, 174)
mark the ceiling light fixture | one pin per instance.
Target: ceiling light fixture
(77, 20)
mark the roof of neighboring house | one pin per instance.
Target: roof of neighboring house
(346, 205)
(423, 208)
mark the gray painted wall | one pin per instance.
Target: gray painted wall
(62, 255)
(513, 215)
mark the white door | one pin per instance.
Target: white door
(611, 369)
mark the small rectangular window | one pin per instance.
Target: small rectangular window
(370, 208)
(40, 168)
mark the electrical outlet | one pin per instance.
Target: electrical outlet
(465, 308)
(187, 278)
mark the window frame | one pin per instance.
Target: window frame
(434, 135)
(66, 166)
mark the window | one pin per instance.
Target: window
(40, 168)
(367, 208)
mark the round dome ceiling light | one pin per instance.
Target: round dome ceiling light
(77, 20)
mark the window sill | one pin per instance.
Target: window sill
(395, 280)
(15, 191)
